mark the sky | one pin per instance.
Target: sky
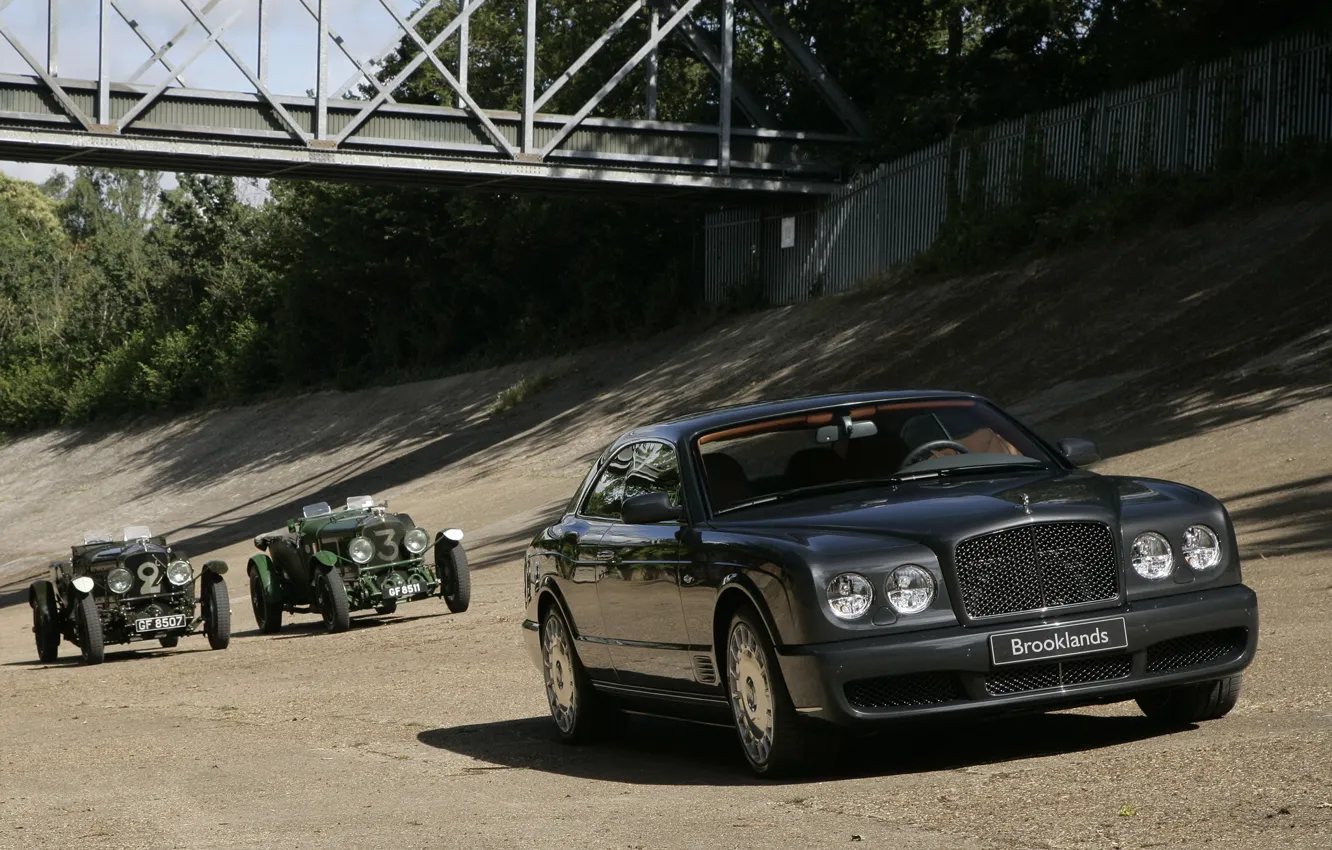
(364, 25)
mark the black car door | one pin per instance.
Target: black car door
(580, 539)
(639, 586)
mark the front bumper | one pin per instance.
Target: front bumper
(1173, 640)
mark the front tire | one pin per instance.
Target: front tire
(774, 740)
(45, 626)
(333, 603)
(1183, 705)
(92, 648)
(267, 612)
(455, 577)
(579, 712)
(217, 612)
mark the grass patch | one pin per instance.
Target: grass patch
(516, 394)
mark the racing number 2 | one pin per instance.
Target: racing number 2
(150, 575)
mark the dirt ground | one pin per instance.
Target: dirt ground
(1203, 355)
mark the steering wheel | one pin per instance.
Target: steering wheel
(924, 450)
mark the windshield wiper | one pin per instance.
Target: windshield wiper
(948, 471)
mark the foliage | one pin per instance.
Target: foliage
(118, 297)
(512, 396)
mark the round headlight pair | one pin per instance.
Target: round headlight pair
(909, 590)
(1154, 559)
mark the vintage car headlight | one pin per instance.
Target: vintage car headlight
(361, 550)
(1152, 557)
(416, 540)
(850, 595)
(180, 572)
(119, 580)
(910, 589)
(1202, 548)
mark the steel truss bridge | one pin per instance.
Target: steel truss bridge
(150, 118)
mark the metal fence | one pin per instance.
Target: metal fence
(1196, 120)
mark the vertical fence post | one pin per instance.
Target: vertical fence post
(529, 77)
(464, 45)
(52, 36)
(321, 83)
(728, 57)
(103, 62)
(652, 67)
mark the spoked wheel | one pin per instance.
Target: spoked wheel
(45, 627)
(576, 708)
(267, 612)
(217, 613)
(774, 740)
(333, 603)
(91, 647)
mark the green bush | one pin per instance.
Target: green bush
(32, 394)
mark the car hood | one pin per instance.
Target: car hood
(944, 511)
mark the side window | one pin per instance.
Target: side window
(654, 469)
(607, 494)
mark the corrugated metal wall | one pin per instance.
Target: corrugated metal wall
(1190, 121)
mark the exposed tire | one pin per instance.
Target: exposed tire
(216, 612)
(774, 739)
(455, 576)
(45, 622)
(333, 603)
(267, 612)
(169, 641)
(1186, 704)
(579, 712)
(92, 649)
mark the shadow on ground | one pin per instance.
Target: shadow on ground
(651, 751)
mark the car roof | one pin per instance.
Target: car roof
(684, 427)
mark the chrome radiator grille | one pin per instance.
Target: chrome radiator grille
(1037, 566)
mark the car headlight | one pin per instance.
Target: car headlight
(119, 580)
(910, 589)
(180, 572)
(416, 541)
(361, 550)
(1202, 548)
(850, 595)
(1152, 557)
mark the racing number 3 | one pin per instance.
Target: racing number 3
(388, 549)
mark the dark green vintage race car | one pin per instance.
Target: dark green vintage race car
(134, 590)
(359, 557)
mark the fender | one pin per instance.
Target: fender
(262, 567)
(44, 588)
(219, 568)
(743, 582)
(323, 560)
(548, 587)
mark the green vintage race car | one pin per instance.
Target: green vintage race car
(360, 557)
(134, 590)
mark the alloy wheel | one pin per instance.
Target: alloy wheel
(561, 691)
(751, 692)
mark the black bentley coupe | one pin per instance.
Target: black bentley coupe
(852, 560)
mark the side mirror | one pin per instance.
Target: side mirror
(1078, 451)
(649, 508)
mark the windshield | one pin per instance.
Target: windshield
(874, 442)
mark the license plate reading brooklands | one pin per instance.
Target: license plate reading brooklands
(1058, 641)
(156, 624)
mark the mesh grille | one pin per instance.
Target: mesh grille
(1042, 676)
(902, 691)
(1196, 650)
(1037, 566)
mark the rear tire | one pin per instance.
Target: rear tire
(455, 577)
(92, 649)
(1183, 705)
(773, 736)
(267, 612)
(580, 713)
(333, 603)
(45, 626)
(169, 641)
(216, 612)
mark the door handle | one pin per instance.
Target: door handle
(605, 555)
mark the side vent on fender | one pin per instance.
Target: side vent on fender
(705, 672)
